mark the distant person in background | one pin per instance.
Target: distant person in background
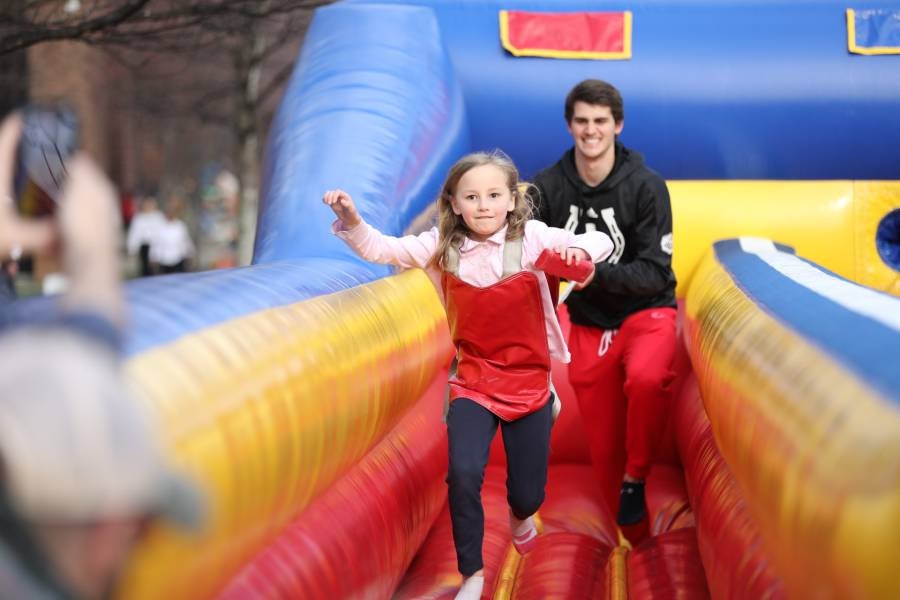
(81, 477)
(144, 226)
(172, 248)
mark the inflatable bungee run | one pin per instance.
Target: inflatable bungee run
(304, 392)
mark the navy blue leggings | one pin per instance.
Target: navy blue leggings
(470, 429)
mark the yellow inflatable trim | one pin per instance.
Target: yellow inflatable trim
(832, 223)
(816, 450)
(268, 410)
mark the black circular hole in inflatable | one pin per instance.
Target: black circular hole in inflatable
(887, 239)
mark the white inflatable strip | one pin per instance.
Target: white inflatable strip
(864, 301)
(755, 245)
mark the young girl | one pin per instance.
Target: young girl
(504, 326)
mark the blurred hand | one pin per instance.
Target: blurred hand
(85, 232)
(33, 236)
(89, 231)
(342, 205)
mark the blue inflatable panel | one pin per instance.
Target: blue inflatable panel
(373, 107)
(162, 309)
(857, 326)
(714, 90)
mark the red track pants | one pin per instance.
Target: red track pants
(622, 381)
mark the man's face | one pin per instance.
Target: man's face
(593, 129)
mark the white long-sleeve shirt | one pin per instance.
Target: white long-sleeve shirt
(171, 243)
(480, 263)
(142, 230)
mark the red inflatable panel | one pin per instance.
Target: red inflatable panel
(667, 500)
(729, 542)
(667, 566)
(575, 35)
(433, 573)
(573, 505)
(562, 565)
(359, 536)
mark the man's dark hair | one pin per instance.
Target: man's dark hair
(595, 91)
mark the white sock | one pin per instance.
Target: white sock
(518, 527)
(471, 588)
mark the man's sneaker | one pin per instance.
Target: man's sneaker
(525, 540)
(632, 506)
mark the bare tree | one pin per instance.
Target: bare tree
(24, 23)
(13, 70)
(218, 61)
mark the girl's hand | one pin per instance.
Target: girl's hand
(342, 205)
(572, 255)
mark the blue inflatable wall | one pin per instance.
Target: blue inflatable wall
(385, 96)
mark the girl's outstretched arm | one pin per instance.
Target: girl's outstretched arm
(344, 208)
(372, 245)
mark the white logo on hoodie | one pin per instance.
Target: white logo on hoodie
(666, 243)
(609, 217)
(618, 238)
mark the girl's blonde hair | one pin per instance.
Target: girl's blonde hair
(451, 227)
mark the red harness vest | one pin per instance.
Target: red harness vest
(503, 357)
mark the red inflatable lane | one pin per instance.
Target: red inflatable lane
(563, 565)
(568, 562)
(433, 574)
(577, 554)
(667, 566)
(383, 526)
(579, 533)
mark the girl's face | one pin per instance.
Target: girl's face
(483, 199)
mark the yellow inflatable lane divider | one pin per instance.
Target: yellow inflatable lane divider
(832, 223)
(617, 573)
(268, 410)
(814, 445)
(507, 575)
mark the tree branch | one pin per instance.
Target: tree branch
(19, 38)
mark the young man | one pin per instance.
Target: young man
(623, 322)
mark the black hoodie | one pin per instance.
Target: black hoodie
(632, 207)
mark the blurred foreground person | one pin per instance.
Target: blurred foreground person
(80, 474)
